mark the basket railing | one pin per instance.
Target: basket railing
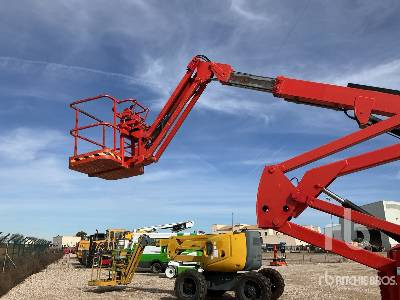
(118, 144)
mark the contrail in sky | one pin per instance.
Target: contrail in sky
(4, 60)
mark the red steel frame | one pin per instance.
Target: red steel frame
(148, 143)
(278, 199)
(118, 138)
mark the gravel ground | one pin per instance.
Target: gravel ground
(67, 280)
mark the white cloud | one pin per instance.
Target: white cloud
(164, 175)
(229, 103)
(29, 160)
(25, 144)
(382, 75)
(37, 175)
(241, 8)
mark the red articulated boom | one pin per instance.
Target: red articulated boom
(136, 144)
(145, 143)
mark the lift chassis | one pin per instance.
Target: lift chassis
(225, 262)
(136, 144)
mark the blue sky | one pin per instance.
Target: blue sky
(53, 52)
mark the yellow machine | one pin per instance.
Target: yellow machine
(123, 265)
(221, 252)
(219, 268)
(83, 246)
(100, 252)
(99, 242)
(115, 237)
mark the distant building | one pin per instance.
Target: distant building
(269, 236)
(385, 210)
(62, 241)
(334, 231)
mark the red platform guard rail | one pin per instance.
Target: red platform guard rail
(107, 162)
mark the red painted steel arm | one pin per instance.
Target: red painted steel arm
(360, 218)
(340, 144)
(279, 200)
(199, 73)
(337, 97)
(149, 142)
(316, 178)
(359, 255)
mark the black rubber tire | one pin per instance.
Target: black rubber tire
(215, 293)
(190, 285)
(277, 281)
(156, 268)
(253, 286)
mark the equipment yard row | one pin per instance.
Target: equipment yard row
(67, 279)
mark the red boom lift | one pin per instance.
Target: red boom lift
(135, 144)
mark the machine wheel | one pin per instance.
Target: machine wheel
(253, 286)
(156, 267)
(170, 272)
(190, 285)
(277, 281)
(215, 293)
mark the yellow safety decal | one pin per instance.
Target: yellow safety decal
(80, 158)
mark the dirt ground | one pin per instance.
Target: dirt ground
(308, 276)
